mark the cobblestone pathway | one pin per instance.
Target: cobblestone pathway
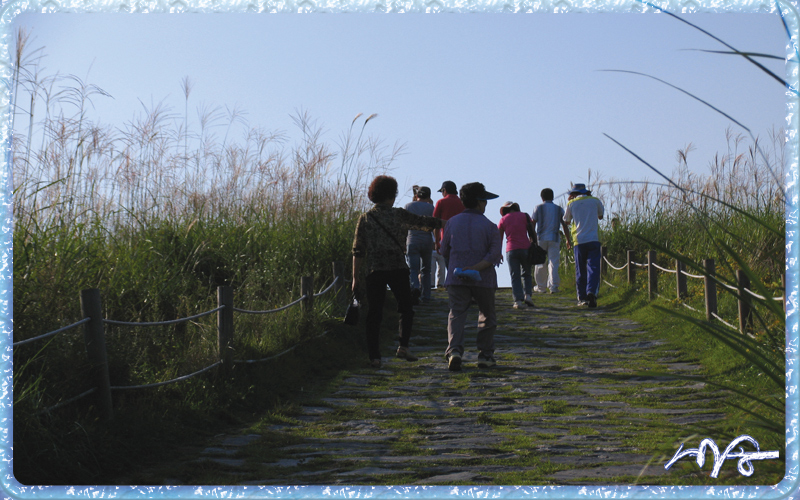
(546, 414)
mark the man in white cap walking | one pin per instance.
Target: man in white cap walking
(584, 211)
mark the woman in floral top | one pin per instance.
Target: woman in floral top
(379, 251)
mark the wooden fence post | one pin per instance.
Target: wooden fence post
(745, 318)
(307, 290)
(681, 279)
(225, 326)
(631, 268)
(338, 288)
(94, 338)
(711, 289)
(603, 264)
(652, 274)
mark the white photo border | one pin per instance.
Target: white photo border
(786, 489)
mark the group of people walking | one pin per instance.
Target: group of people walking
(395, 248)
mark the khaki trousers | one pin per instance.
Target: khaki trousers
(460, 297)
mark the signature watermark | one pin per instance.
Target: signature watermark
(745, 457)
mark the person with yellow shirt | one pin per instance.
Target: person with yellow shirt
(584, 212)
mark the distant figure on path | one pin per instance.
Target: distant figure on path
(438, 265)
(548, 219)
(419, 247)
(519, 233)
(584, 211)
(379, 250)
(446, 208)
(471, 242)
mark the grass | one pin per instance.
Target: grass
(157, 218)
(159, 226)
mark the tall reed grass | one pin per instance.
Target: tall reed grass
(733, 214)
(157, 214)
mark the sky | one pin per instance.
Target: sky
(519, 102)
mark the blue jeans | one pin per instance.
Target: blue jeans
(520, 270)
(417, 253)
(587, 269)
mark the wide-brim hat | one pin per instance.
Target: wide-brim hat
(578, 189)
(477, 191)
(486, 195)
(508, 207)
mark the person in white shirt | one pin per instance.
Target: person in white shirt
(584, 211)
(548, 219)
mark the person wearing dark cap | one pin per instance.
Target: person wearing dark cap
(446, 208)
(584, 211)
(473, 247)
(419, 247)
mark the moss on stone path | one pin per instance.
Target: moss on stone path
(551, 411)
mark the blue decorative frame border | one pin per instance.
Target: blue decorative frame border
(786, 489)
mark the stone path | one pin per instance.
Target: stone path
(548, 413)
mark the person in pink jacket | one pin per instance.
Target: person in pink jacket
(520, 235)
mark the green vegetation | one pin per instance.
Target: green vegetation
(157, 215)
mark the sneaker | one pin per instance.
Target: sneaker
(403, 353)
(591, 300)
(554, 290)
(529, 301)
(518, 304)
(536, 289)
(454, 363)
(581, 303)
(486, 360)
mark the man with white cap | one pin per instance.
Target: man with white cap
(584, 211)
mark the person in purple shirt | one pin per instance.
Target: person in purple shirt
(471, 242)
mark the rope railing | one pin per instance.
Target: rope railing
(696, 276)
(711, 281)
(612, 265)
(68, 401)
(723, 321)
(282, 308)
(91, 308)
(672, 271)
(159, 384)
(50, 334)
(330, 287)
(276, 356)
(161, 323)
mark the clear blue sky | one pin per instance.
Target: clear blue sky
(516, 101)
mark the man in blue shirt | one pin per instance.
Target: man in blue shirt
(419, 247)
(471, 242)
(549, 219)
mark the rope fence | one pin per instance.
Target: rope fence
(50, 334)
(710, 278)
(94, 336)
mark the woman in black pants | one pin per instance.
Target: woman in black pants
(379, 251)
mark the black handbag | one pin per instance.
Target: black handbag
(536, 255)
(351, 316)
